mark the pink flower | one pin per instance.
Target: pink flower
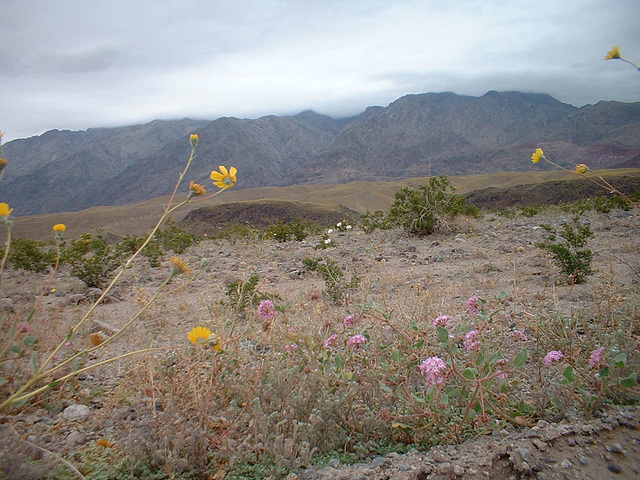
(23, 327)
(267, 310)
(433, 369)
(473, 305)
(332, 341)
(351, 320)
(357, 340)
(519, 336)
(596, 357)
(293, 348)
(470, 341)
(553, 356)
(442, 321)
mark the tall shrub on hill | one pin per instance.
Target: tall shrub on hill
(423, 210)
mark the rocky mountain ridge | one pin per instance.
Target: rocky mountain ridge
(416, 135)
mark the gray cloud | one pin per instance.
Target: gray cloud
(77, 64)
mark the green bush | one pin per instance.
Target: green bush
(174, 238)
(571, 257)
(421, 211)
(283, 232)
(332, 273)
(93, 259)
(32, 255)
(369, 221)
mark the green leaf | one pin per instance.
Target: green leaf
(419, 344)
(558, 403)
(479, 359)
(413, 326)
(621, 360)
(604, 372)
(385, 388)
(339, 361)
(443, 334)
(470, 373)
(3, 381)
(501, 296)
(569, 374)
(35, 364)
(16, 349)
(54, 384)
(630, 381)
(521, 358)
(30, 340)
(69, 335)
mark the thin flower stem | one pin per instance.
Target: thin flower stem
(630, 63)
(20, 398)
(6, 251)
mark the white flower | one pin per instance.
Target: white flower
(348, 227)
(338, 225)
(327, 241)
(330, 231)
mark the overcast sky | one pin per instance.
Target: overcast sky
(92, 63)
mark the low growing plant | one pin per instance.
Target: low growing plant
(569, 253)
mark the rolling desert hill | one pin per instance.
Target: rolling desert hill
(490, 190)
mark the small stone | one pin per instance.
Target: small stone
(614, 468)
(542, 446)
(542, 476)
(78, 413)
(458, 470)
(566, 464)
(583, 460)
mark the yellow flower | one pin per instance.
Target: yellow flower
(613, 53)
(5, 211)
(59, 227)
(226, 179)
(96, 339)
(537, 155)
(181, 265)
(3, 163)
(197, 189)
(194, 139)
(215, 342)
(199, 335)
(581, 169)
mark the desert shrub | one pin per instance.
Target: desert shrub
(504, 212)
(244, 294)
(283, 232)
(569, 254)
(421, 211)
(174, 238)
(372, 221)
(152, 251)
(32, 255)
(93, 259)
(336, 285)
(531, 210)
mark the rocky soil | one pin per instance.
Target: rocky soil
(483, 257)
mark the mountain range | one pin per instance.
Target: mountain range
(415, 136)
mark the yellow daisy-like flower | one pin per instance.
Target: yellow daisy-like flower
(180, 265)
(225, 178)
(197, 189)
(194, 139)
(199, 335)
(581, 169)
(5, 211)
(537, 155)
(613, 53)
(59, 227)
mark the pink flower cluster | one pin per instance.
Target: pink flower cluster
(332, 341)
(434, 371)
(519, 336)
(473, 305)
(553, 356)
(267, 310)
(351, 320)
(357, 340)
(291, 349)
(471, 341)
(442, 321)
(596, 357)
